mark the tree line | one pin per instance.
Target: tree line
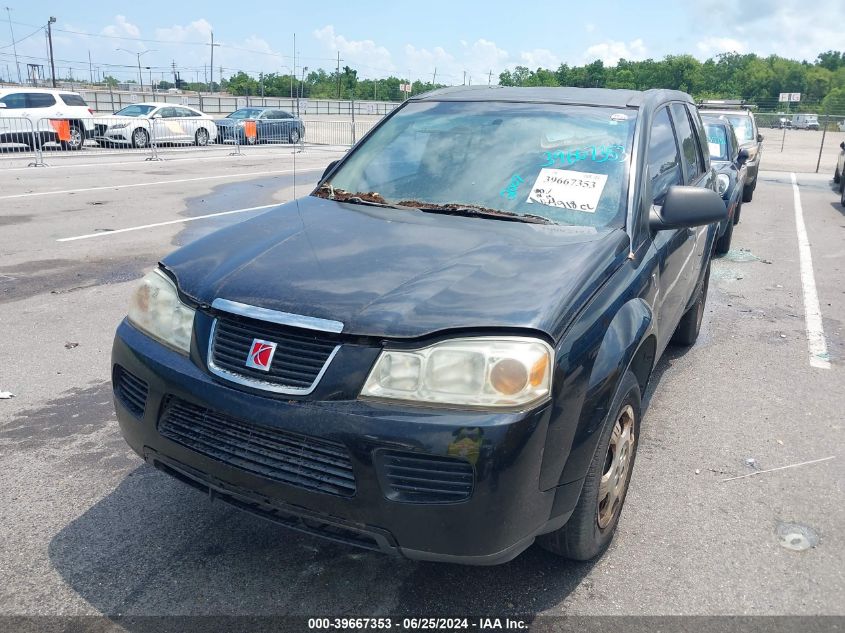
(727, 76)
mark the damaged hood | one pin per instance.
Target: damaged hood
(401, 274)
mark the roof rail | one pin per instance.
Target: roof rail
(726, 104)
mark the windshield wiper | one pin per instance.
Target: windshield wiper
(370, 198)
(472, 211)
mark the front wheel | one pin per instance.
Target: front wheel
(294, 136)
(723, 244)
(690, 324)
(748, 191)
(201, 137)
(140, 138)
(76, 141)
(836, 175)
(593, 522)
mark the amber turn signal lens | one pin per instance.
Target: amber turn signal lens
(538, 371)
(508, 376)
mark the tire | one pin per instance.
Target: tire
(842, 194)
(737, 212)
(748, 191)
(590, 529)
(252, 140)
(690, 324)
(723, 244)
(140, 138)
(77, 138)
(294, 136)
(836, 175)
(201, 137)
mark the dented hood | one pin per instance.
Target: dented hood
(401, 274)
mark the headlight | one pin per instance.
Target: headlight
(157, 310)
(478, 372)
(119, 126)
(724, 183)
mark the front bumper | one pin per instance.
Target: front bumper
(500, 519)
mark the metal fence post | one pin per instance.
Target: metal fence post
(153, 144)
(36, 144)
(237, 151)
(821, 147)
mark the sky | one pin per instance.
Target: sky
(461, 41)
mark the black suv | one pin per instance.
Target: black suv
(441, 351)
(741, 116)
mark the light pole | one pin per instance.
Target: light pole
(50, 42)
(140, 76)
(14, 47)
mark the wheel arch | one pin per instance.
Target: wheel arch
(629, 342)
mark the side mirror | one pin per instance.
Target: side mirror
(742, 157)
(842, 145)
(759, 138)
(685, 207)
(156, 116)
(328, 169)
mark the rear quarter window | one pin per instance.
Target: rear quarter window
(73, 100)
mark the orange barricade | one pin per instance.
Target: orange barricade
(62, 129)
(249, 129)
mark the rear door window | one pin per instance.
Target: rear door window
(664, 160)
(40, 100)
(693, 167)
(73, 100)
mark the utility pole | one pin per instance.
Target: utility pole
(50, 41)
(90, 67)
(338, 75)
(173, 66)
(14, 47)
(465, 78)
(489, 77)
(211, 68)
(261, 79)
(434, 77)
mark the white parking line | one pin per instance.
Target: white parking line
(812, 311)
(251, 174)
(180, 221)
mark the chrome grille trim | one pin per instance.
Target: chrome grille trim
(275, 316)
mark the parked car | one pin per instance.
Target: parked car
(741, 116)
(26, 115)
(839, 174)
(441, 351)
(271, 124)
(805, 121)
(139, 123)
(729, 162)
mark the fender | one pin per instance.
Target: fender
(630, 327)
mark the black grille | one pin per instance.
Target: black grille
(300, 354)
(131, 391)
(294, 459)
(100, 129)
(419, 478)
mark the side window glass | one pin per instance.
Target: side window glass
(664, 161)
(14, 101)
(40, 100)
(689, 143)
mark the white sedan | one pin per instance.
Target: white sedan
(140, 124)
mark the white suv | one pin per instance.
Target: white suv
(32, 116)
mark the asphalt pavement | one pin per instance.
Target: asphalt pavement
(87, 528)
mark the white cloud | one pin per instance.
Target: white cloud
(371, 59)
(539, 58)
(612, 51)
(795, 29)
(196, 31)
(712, 46)
(121, 28)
